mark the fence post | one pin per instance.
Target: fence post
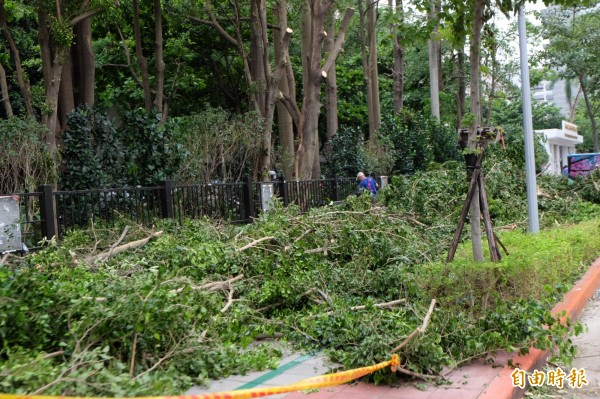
(166, 199)
(47, 213)
(384, 181)
(283, 189)
(336, 188)
(249, 197)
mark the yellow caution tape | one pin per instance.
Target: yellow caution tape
(325, 380)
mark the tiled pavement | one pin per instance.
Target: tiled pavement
(466, 382)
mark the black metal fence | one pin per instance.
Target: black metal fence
(48, 213)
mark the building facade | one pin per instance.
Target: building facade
(559, 144)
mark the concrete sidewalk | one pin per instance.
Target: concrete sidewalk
(588, 345)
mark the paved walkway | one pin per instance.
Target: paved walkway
(467, 382)
(588, 356)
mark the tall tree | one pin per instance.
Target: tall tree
(317, 70)
(55, 33)
(331, 82)
(4, 92)
(434, 45)
(287, 87)
(373, 68)
(22, 80)
(472, 145)
(257, 66)
(398, 54)
(574, 35)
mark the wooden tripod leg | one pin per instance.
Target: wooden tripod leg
(500, 243)
(487, 220)
(465, 209)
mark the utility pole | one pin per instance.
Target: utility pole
(532, 207)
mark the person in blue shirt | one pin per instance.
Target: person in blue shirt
(367, 183)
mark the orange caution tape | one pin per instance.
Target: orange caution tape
(326, 380)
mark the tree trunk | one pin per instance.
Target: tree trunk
(373, 72)
(86, 63)
(4, 92)
(398, 72)
(316, 169)
(52, 72)
(267, 90)
(22, 80)
(461, 93)
(306, 46)
(286, 128)
(331, 85)
(590, 112)
(140, 57)
(52, 91)
(476, 111)
(257, 50)
(434, 86)
(66, 100)
(159, 63)
(309, 118)
(366, 74)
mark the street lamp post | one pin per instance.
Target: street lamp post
(532, 209)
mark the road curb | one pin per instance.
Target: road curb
(573, 303)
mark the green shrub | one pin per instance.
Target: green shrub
(24, 160)
(96, 154)
(217, 145)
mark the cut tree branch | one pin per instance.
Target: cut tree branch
(384, 305)
(229, 300)
(418, 330)
(254, 243)
(122, 248)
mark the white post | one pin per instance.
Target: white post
(532, 211)
(267, 193)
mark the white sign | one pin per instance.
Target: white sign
(10, 229)
(569, 126)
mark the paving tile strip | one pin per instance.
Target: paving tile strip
(274, 373)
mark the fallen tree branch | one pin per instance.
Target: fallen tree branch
(53, 354)
(253, 243)
(3, 261)
(417, 330)
(415, 374)
(229, 299)
(217, 285)
(214, 286)
(384, 305)
(122, 248)
(112, 248)
(415, 221)
(287, 247)
(326, 297)
(317, 250)
(428, 316)
(261, 337)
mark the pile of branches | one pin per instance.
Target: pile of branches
(204, 300)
